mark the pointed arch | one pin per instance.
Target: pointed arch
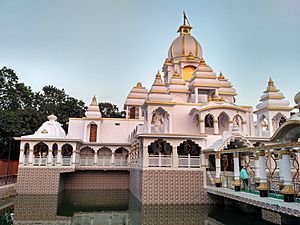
(209, 123)
(40, 149)
(54, 149)
(67, 150)
(160, 146)
(26, 149)
(189, 147)
(223, 122)
(160, 121)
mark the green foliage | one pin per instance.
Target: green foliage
(109, 110)
(23, 111)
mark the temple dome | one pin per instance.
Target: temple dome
(50, 129)
(185, 44)
(297, 98)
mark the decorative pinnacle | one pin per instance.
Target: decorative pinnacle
(139, 85)
(271, 86)
(158, 80)
(221, 76)
(176, 75)
(94, 101)
(185, 28)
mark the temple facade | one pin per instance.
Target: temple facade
(158, 148)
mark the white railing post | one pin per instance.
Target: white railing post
(288, 189)
(189, 160)
(49, 158)
(95, 158)
(263, 185)
(21, 158)
(159, 160)
(59, 158)
(30, 157)
(218, 181)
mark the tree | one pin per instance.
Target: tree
(109, 110)
(23, 111)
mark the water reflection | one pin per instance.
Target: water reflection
(117, 207)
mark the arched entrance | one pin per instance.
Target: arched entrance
(104, 156)
(121, 156)
(66, 151)
(40, 153)
(189, 154)
(86, 156)
(160, 154)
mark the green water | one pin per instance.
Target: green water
(117, 207)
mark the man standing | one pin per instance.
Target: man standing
(245, 177)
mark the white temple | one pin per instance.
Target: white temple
(188, 109)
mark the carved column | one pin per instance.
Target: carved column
(237, 180)
(50, 157)
(196, 95)
(288, 190)
(21, 157)
(256, 169)
(216, 127)
(263, 185)
(145, 156)
(112, 162)
(202, 126)
(95, 158)
(218, 180)
(30, 157)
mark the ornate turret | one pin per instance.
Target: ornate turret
(178, 87)
(93, 109)
(159, 91)
(226, 90)
(272, 110)
(135, 100)
(184, 54)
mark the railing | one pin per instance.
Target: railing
(66, 161)
(25, 160)
(120, 162)
(40, 161)
(189, 161)
(8, 179)
(160, 161)
(88, 161)
(104, 162)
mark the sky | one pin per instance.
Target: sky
(105, 47)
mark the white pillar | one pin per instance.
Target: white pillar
(256, 169)
(21, 157)
(216, 127)
(175, 158)
(218, 181)
(236, 173)
(263, 185)
(202, 126)
(73, 158)
(95, 158)
(112, 162)
(58, 158)
(30, 157)
(49, 158)
(244, 127)
(196, 95)
(288, 190)
(145, 156)
(280, 167)
(270, 127)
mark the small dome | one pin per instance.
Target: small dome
(50, 129)
(184, 45)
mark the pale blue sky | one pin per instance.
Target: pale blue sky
(104, 47)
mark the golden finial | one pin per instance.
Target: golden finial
(271, 86)
(167, 60)
(202, 63)
(158, 80)
(221, 76)
(176, 75)
(186, 27)
(94, 101)
(139, 85)
(190, 56)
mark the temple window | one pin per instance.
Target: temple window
(93, 132)
(134, 113)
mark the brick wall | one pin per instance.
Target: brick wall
(96, 180)
(40, 180)
(169, 186)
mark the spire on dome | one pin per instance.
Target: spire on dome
(186, 27)
(271, 87)
(94, 101)
(93, 109)
(158, 80)
(221, 76)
